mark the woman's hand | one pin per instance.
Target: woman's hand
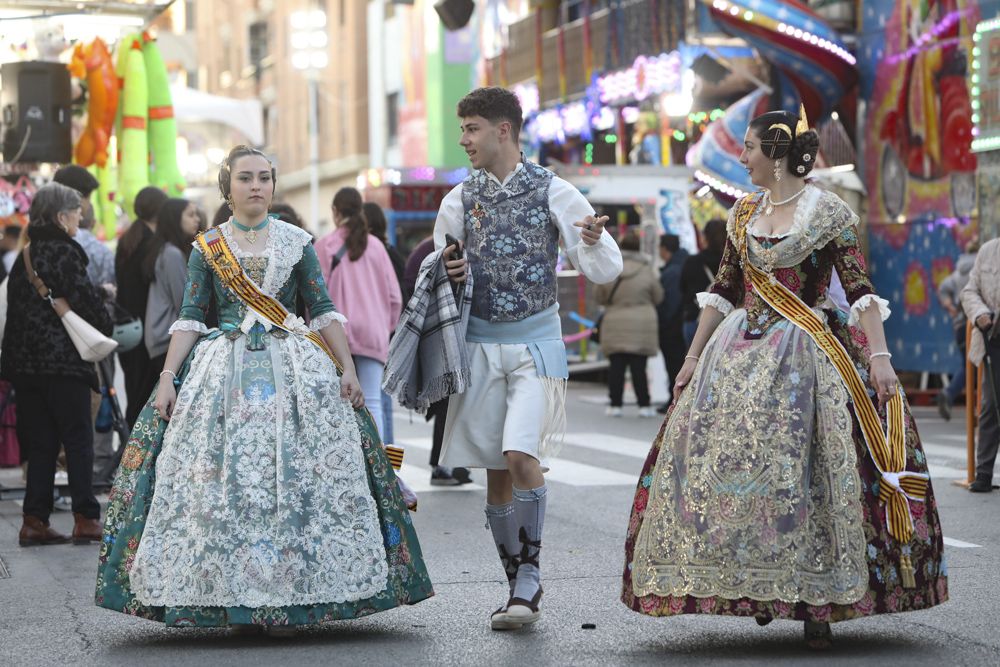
(684, 376)
(350, 389)
(883, 379)
(166, 397)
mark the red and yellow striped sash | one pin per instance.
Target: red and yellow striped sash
(220, 257)
(887, 448)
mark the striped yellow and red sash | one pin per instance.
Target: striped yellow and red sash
(220, 257)
(887, 448)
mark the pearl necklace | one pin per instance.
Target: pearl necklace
(769, 205)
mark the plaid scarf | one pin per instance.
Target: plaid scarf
(427, 356)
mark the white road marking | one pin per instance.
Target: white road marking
(959, 544)
(561, 470)
(611, 444)
(637, 449)
(418, 478)
(581, 474)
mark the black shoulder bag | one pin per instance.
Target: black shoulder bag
(595, 332)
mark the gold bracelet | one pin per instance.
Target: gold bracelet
(162, 373)
(691, 356)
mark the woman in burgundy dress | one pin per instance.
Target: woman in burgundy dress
(789, 480)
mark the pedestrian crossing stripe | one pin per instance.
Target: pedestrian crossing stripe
(562, 471)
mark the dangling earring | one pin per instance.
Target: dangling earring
(777, 170)
(229, 202)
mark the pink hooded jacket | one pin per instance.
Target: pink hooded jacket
(365, 291)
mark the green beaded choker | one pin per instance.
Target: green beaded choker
(250, 233)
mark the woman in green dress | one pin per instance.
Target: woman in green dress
(254, 491)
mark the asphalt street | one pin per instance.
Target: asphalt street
(47, 615)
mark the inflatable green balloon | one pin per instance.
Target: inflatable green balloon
(133, 139)
(105, 207)
(121, 56)
(163, 171)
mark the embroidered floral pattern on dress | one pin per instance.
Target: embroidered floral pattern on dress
(821, 218)
(694, 488)
(757, 515)
(262, 497)
(287, 489)
(289, 266)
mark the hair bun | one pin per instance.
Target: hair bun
(802, 154)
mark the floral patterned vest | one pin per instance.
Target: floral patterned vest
(512, 244)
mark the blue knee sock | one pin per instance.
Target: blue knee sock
(500, 519)
(529, 512)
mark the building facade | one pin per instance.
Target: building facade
(245, 51)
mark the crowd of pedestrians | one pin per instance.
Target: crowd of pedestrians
(265, 351)
(50, 397)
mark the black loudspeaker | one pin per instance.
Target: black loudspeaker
(709, 68)
(35, 112)
(455, 14)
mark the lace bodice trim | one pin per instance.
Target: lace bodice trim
(283, 251)
(819, 217)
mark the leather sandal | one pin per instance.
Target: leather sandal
(818, 636)
(518, 612)
(499, 621)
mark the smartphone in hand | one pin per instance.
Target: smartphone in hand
(450, 240)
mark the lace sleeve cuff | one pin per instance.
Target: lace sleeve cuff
(863, 303)
(188, 325)
(320, 321)
(718, 302)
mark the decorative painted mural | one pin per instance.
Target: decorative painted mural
(920, 172)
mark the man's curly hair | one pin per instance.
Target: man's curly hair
(495, 104)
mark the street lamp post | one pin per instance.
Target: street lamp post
(309, 55)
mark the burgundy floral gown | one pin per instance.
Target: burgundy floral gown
(759, 496)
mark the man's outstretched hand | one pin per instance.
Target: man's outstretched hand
(591, 228)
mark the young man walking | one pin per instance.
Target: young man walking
(508, 217)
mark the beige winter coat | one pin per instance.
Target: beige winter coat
(629, 323)
(981, 295)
